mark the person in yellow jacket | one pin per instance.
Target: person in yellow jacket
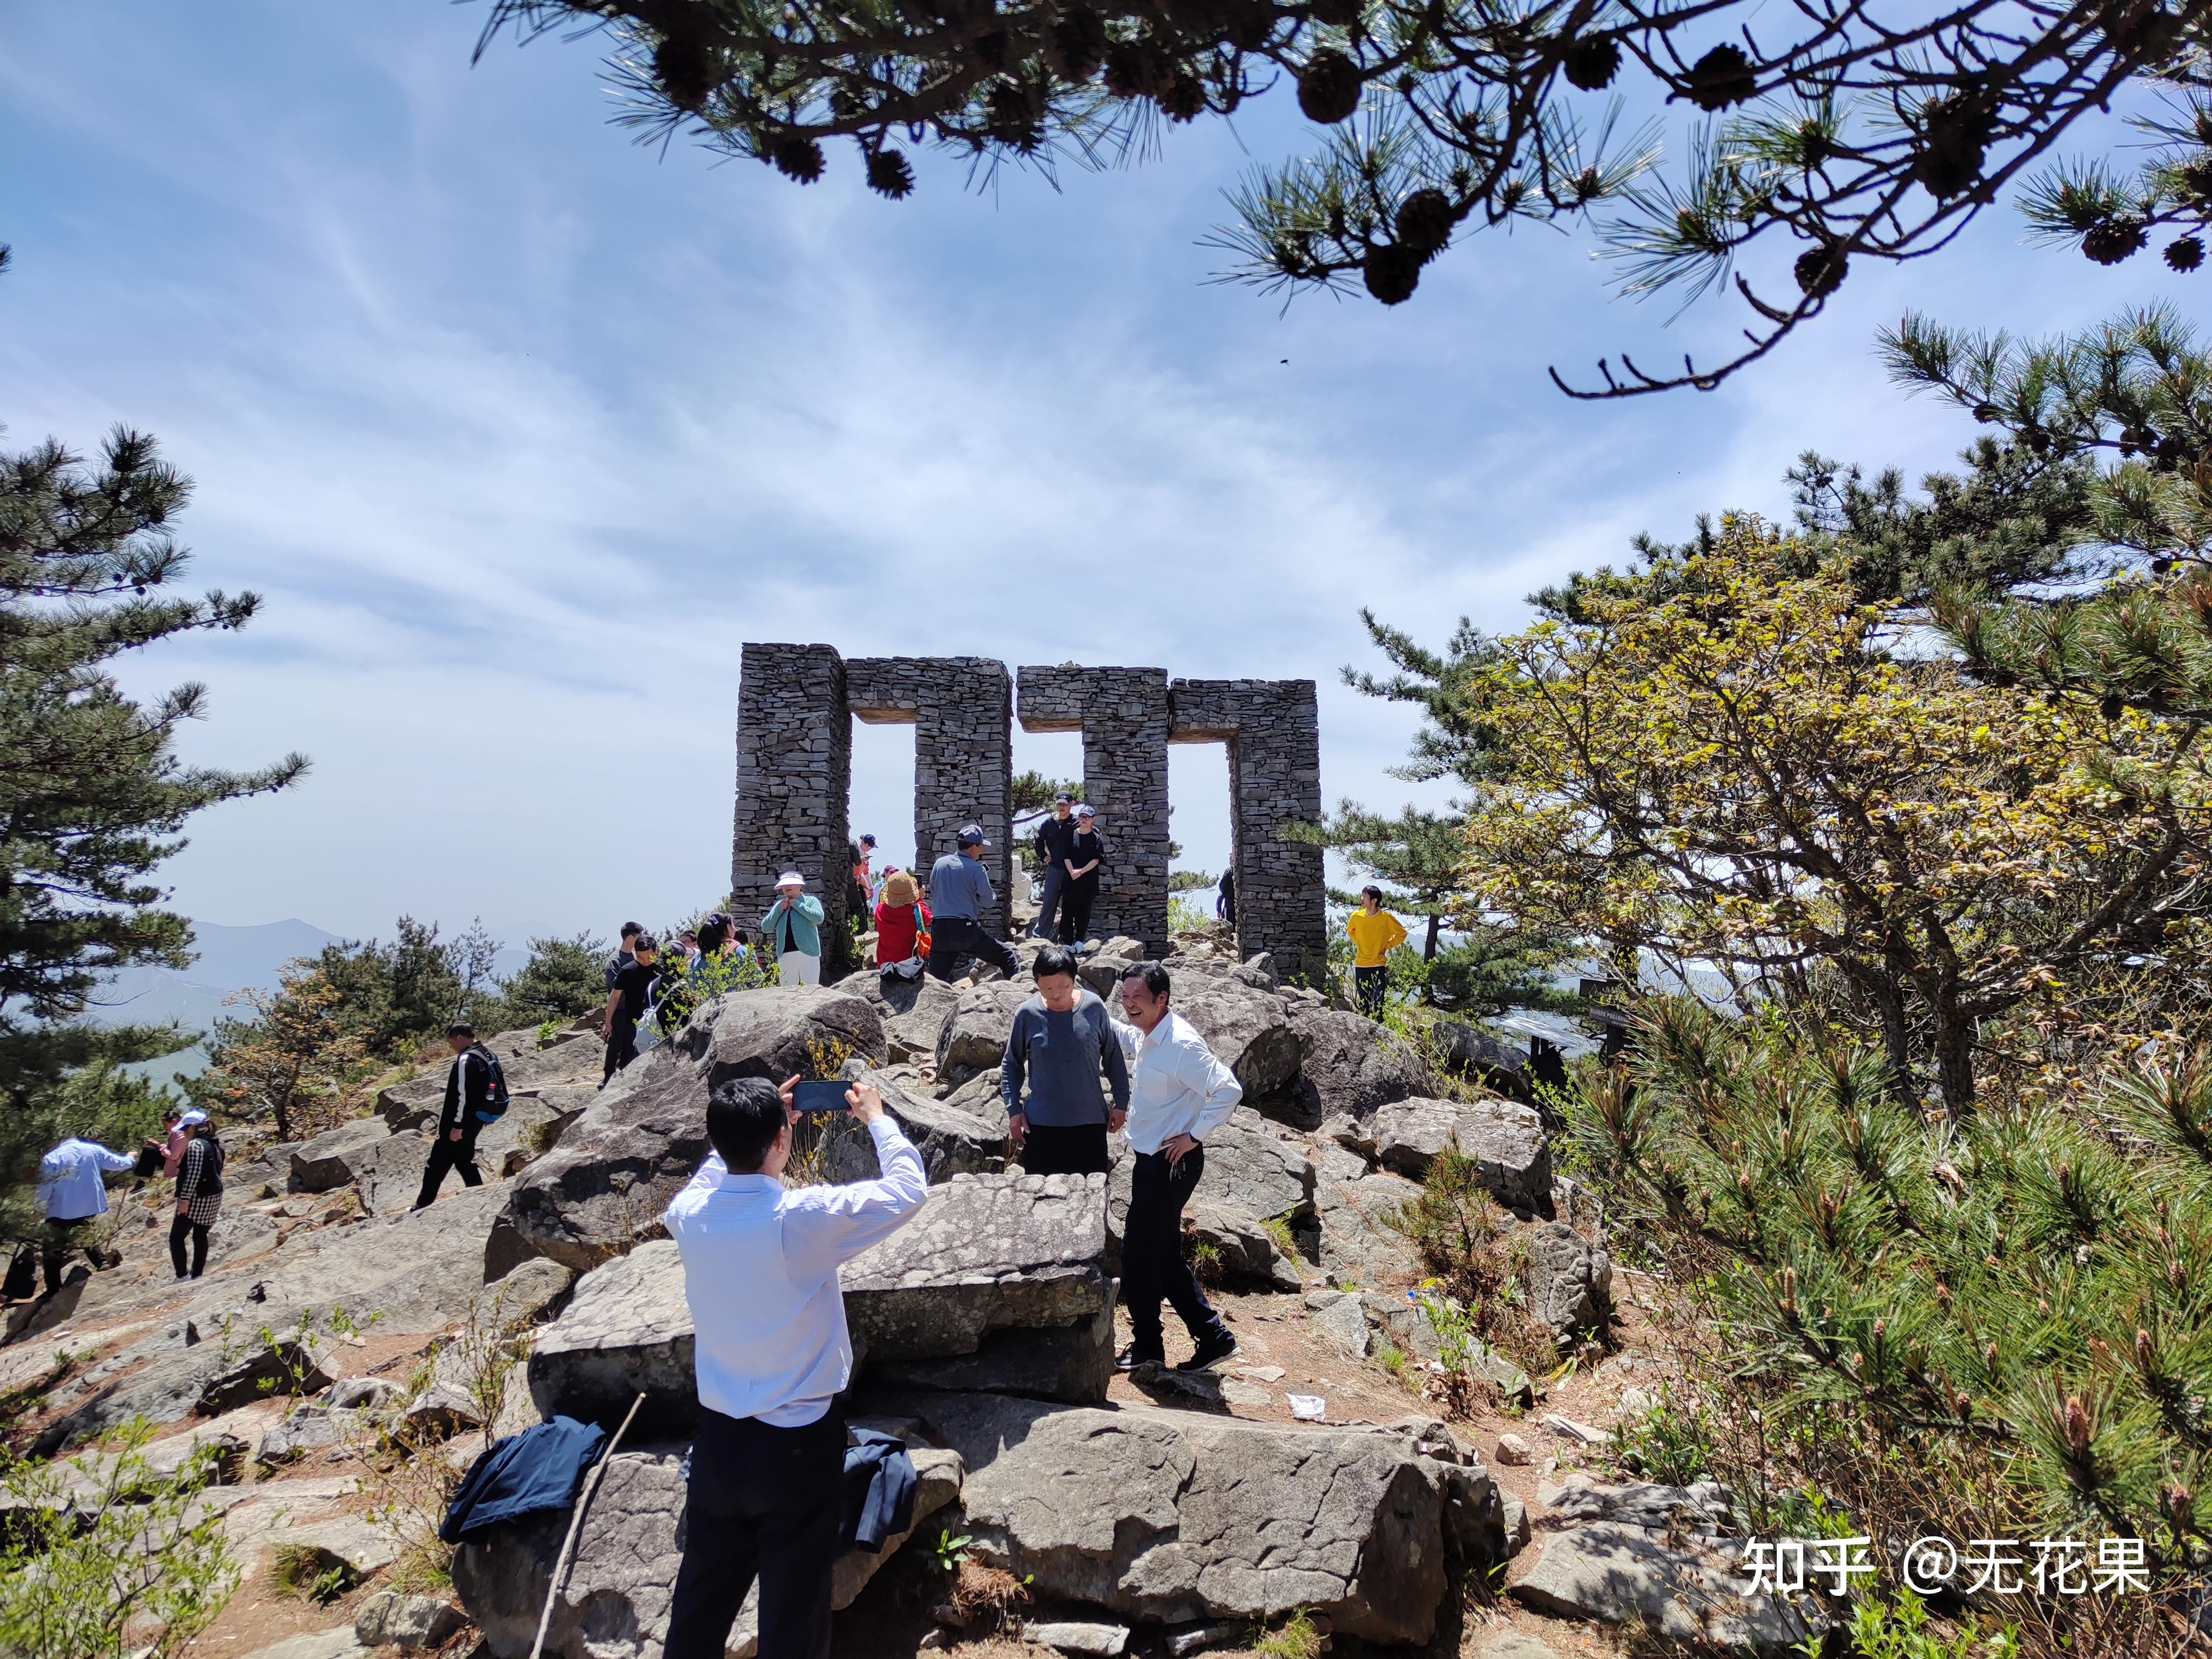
(1374, 933)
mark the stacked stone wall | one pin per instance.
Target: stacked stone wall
(1122, 714)
(794, 786)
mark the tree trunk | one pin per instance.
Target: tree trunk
(1429, 945)
(1896, 1042)
(1954, 1061)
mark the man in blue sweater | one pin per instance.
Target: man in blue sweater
(959, 897)
(1063, 1040)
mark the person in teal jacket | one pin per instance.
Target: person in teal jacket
(792, 928)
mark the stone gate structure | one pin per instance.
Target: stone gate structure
(796, 704)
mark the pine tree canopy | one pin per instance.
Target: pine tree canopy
(1819, 134)
(92, 797)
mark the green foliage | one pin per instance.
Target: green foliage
(1297, 1638)
(950, 1549)
(399, 996)
(98, 1574)
(298, 1569)
(563, 979)
(1671, 1443)
(1902, 1630)
(1191, 881)
(1187, 916)
(2030, 1283)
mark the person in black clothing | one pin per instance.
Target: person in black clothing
(622, 958)
(1086, 851)
(1052, 836)
(199, 1193)
(468, 1085)
(1225, 906)
(626, 1004)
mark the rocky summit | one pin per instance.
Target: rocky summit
(983, 1331)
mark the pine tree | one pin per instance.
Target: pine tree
(562, 980)
(1814, 139)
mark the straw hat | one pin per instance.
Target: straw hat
(901, 890)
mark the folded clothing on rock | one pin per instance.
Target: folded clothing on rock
(537, 1469)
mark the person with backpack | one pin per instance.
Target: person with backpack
(199, 1193)
(476, 1094)
(902, 928)
(627, 1003)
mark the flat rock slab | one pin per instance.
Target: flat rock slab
(336, 1644)
(1614, 1574)
(1506, 1141)
(1356, 1209)
(1070, 1635)
(912, 1010)
(614, 1603)
(1644, 1504)
(1173, 1516)
(985, 1254)
(326, 1161)
(1348, 1066)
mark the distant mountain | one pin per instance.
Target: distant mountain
(231, 960)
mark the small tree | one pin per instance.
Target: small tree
(299, 1052)
(562, 980)
(1743, 775)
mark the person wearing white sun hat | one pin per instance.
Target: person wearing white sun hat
(792, 927)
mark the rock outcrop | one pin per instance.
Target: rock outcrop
(1172, 1515)
(912, 1010)
(1014, 1256)
(974, 1036)
(1570, 1279)
(1348, 1066)
(1506, 1141)
(1248, 1028)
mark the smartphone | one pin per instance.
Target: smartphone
(820, 1097)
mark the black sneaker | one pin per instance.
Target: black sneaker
(1211, 1353)
(1132, 1357)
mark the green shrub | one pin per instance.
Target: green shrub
(1671, 1443)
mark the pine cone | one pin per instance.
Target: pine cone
(1125, 68)
(684, 70)
(1592, 63)
(890, 174)
(1393, 272)
(1185, 98)
(1014, 115)
(1328, 92)
(799, 159)
(2186, 254)
(1957, 133)
(2113, 240)
(1723, 76)
(1820, 270)
(1424, 223)
(1078, 45)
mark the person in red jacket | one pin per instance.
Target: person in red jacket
(901, 920)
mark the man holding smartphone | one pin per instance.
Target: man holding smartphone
(772, 1355)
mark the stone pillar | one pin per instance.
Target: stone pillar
(1122, 714)
(1272, 729)
(962, 710)
(794, 787)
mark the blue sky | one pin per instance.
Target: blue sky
(522, 429)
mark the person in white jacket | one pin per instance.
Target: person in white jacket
(73, 1188)
(771, 1356)
(1179, 1093)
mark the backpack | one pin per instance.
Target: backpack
(211, 1181)
(495, 1096)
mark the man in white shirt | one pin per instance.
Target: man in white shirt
(72, 1187)
(1178, 1094)
(772, 1354)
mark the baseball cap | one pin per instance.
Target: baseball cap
(868, 841)
(193, 1118)
(971, 835)
(1086, 810)
(1062, 798)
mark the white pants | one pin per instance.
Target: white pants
(796, 968)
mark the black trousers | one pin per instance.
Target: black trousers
(953, 939)
(1065, 1149)
(1373, 985)
(1055, 887)
(1152, 1265)
(446, 1154)
(64, 1239)
(1075, 910)
(182, 1227)
(621, 1047)
(763, 1501)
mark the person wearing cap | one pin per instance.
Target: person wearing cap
(626, 1006)
(960, 896)
(1052, 836)
(792, 927)
(1086, 851)
(199, 1193)
(467, 1092)
(72, 1187)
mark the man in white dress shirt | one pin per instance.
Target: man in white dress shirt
(760, 1271)
(1178, 1094)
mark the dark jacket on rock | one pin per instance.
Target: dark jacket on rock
(537, 1469)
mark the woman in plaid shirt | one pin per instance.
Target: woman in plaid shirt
(199, 1193)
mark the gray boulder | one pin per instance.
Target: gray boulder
(614, 1603)
(777, 1033)
(987, 1254)
(1355, 1212)
(912, 1010)
(1691, 1596)
(1248, 1028)
(1102, 970)
(1250, 1168)
(1569, 1279)
(1245, 1250)
(952, 1140)
(1170, 1516)
(389, 1619)
(1347, 1066)
(974, 1036)
(1477, 1055)
(326, 1161)
(1505, 1140)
